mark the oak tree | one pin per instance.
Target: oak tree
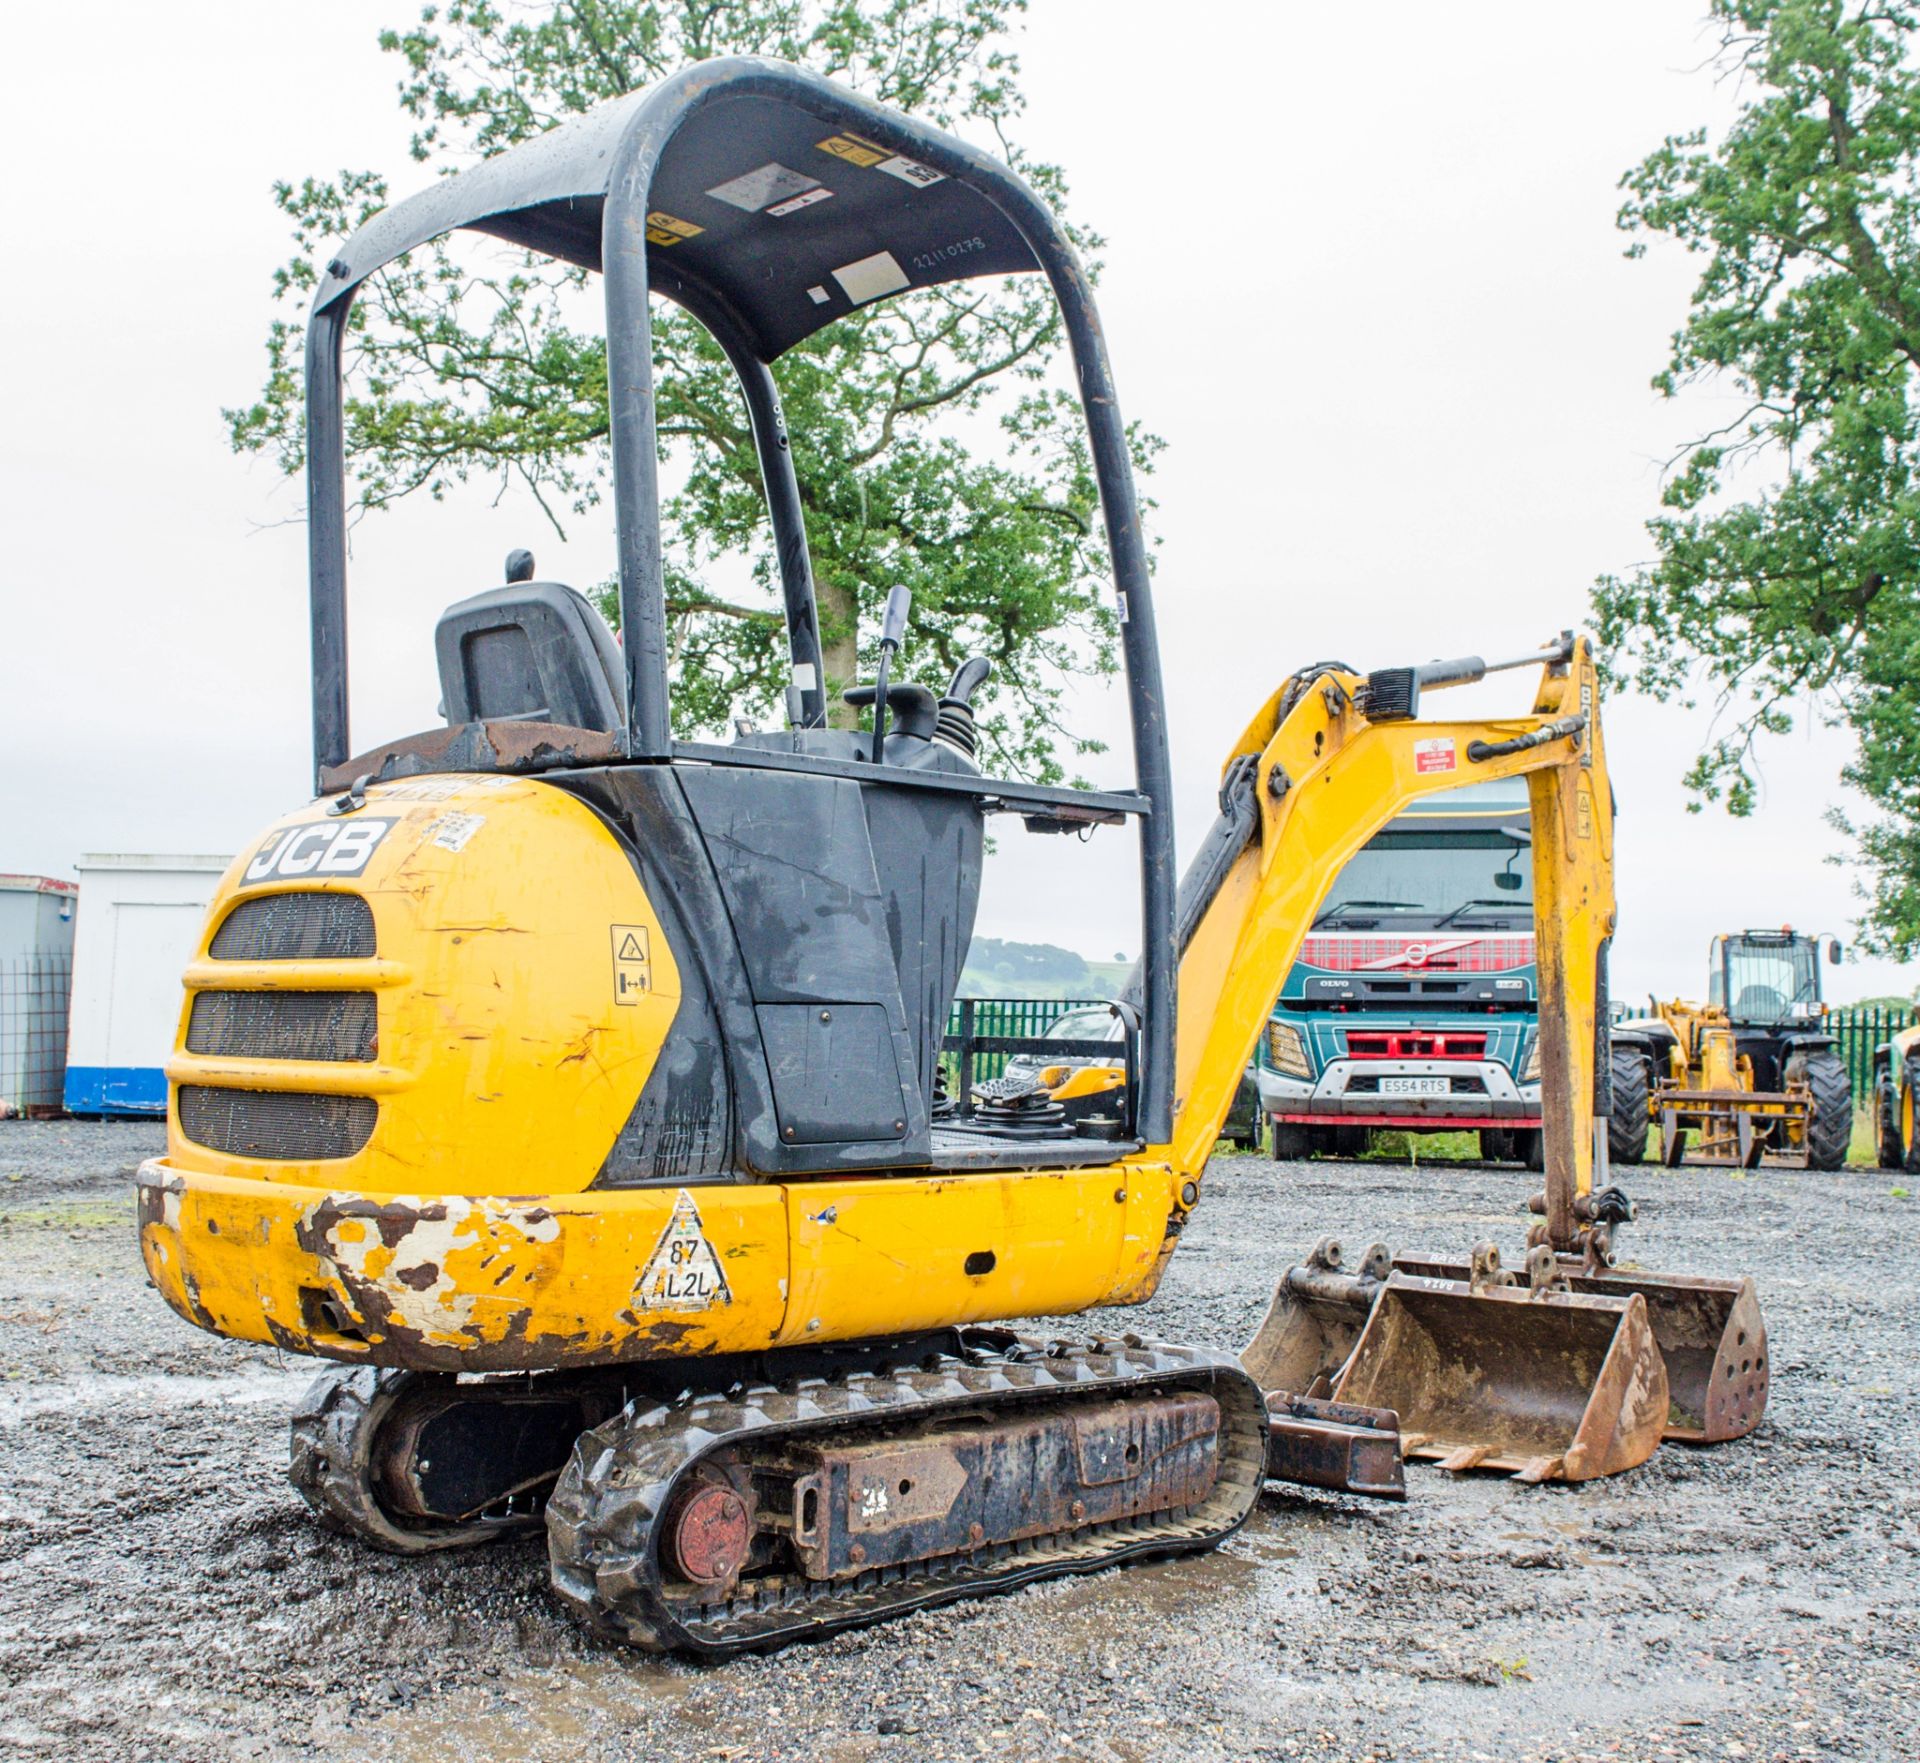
(935, 443)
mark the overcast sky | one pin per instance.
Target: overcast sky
(1362, 275)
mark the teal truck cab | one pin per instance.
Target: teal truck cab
(1415, 1002)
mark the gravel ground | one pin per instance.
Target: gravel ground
(164, 1596)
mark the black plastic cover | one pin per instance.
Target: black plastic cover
(529, 652)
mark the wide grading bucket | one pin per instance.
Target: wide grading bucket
(1710, 1332)
(1549, 1384)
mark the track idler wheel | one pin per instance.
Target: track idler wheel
(413, 1462)
(709, 1530)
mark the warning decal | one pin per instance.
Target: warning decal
(806, 199)
(1434, 755)
(666, 229)
(852, 149)
(632, 963)
(683, 1272)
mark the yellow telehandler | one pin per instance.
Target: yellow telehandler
(1753, 1074)
(569, 1085)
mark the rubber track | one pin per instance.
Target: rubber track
(333, 1432)
(601, 1516)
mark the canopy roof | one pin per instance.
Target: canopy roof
(780, 201)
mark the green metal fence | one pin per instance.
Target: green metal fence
(1024, 1019)
(1859, 1030)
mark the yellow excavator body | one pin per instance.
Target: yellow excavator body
(468, 1079)
(573, 1088)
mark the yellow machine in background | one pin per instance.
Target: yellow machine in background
(1752, 1074)
(570, 1086)
(1896, 1101)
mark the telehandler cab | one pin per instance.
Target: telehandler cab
(571, 1085)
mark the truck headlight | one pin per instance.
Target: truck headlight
(1286, 1052)
(1530, 1072)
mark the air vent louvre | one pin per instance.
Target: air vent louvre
(296, 927)
(284, 1025)
(281, 1126)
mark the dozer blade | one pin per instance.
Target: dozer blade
(1546, 1383)
(1316, 1316)
(1710, 1333)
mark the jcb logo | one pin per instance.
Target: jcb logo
(324, 850)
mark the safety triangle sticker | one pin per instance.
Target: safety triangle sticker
(683, 1272)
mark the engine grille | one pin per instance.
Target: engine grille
(284, 1025)
(296, 927)
(279, 1125)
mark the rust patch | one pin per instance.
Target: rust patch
(476, 746)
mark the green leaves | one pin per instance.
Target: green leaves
(496, 373)
(1787, 561)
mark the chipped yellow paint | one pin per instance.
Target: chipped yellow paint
(480, 1283)
(492, 1283)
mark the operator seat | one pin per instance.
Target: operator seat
(530, 652)
(1758, 1004)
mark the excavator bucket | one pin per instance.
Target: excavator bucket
(1710, 1333)
(1315, 1319)
(1547, 1383)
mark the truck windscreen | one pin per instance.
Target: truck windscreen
(1414, 877)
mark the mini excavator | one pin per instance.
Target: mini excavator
(571, 1087)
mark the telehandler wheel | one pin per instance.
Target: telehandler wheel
(1889, 1144)
(342, 1432)
(1627, 1125)
(1292, 1143)
(1830, 1117)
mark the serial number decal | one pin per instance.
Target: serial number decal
(947, 253)
(324, 850)
(452, 831)
(683, 1272)
(911, 171)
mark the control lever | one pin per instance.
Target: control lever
(893, 629)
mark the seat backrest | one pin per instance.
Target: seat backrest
(530, 652)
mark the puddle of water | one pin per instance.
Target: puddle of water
(526, 1717)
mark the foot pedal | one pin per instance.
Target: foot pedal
(1338, 1445)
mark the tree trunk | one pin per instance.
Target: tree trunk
(839, 644)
